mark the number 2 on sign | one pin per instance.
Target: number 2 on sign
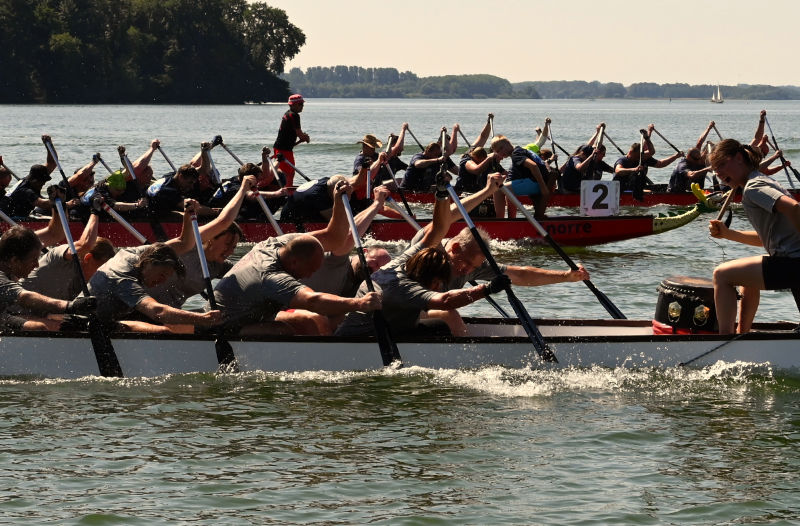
(599, 198)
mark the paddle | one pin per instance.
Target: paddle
(540, 345)
(104, 353)
(215, 176)
(612, 309)
(553, 145)
(225, 357)
(717, 131)
(282, 159)
(415, 139)
(9, 169)
(491, 124)
(785, 168)
(119, 219)
(171, 166)
(388, 349)
(48, 143)
(99, 159)
(411, 221)
(158, 230)
(612, 142)
(666, 141)
(391, 173)
(259, 197)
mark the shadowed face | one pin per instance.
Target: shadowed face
(153, 274)
(462, 262)
(21, 267)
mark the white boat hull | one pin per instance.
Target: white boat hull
(579, 343)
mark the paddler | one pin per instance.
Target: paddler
(475, 166)
(267, 280)
(775, 216)
(631, 169)
(121, 284)
(290, 134)
(423, 167)
(20, 249)
(434, 294)
(529, 176)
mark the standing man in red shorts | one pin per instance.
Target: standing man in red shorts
(288, 135)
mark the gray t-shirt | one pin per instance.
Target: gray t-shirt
(55, 277)
(9, 291)
(335, 276)
(176, 290)
(257, 287)
(403, 301)
(117, 286)
(778, 234)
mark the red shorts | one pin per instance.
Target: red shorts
(285, 167)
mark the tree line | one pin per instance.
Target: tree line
(355, 81)
(144, 51)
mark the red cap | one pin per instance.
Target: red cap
(296, 98)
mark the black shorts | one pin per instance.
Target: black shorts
(780, 272)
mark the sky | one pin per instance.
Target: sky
(696, 42)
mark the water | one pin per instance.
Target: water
(415, 446)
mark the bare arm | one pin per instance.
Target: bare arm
(719, 230)
(703, 136)
(88, 238)
(332, 305)
(38, 302)
(228, 214)
(669, 160)
(454, 299)
(146, 157)
(185, 242)
(166, 314)
(335, 233)
(534, 277)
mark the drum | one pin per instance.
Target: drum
(687, 305)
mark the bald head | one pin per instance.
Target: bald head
(376, 258)
(302, 256)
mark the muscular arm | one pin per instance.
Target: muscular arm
(323, 303)
(666, 162)
(534, 277)
(453, 299)
(166, 314)
(719, 230)
(38, 302)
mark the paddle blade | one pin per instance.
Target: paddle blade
(388, 349)
(104, 353)
(539, 344)
(225, 357)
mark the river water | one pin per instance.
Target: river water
(415, 446)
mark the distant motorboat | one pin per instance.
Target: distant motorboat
(717, 97)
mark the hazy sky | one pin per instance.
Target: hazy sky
(693, 41)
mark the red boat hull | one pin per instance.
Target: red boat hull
(567, 230)
(574, 200)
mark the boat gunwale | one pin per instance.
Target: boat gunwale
(761, 331)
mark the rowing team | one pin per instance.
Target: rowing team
(310, 283)
(290, 284)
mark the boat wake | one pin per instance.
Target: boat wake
(494, 381)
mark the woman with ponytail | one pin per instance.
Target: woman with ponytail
(775, 216)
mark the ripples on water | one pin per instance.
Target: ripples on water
(415, 446)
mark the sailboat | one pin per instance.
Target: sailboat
(717, 97)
